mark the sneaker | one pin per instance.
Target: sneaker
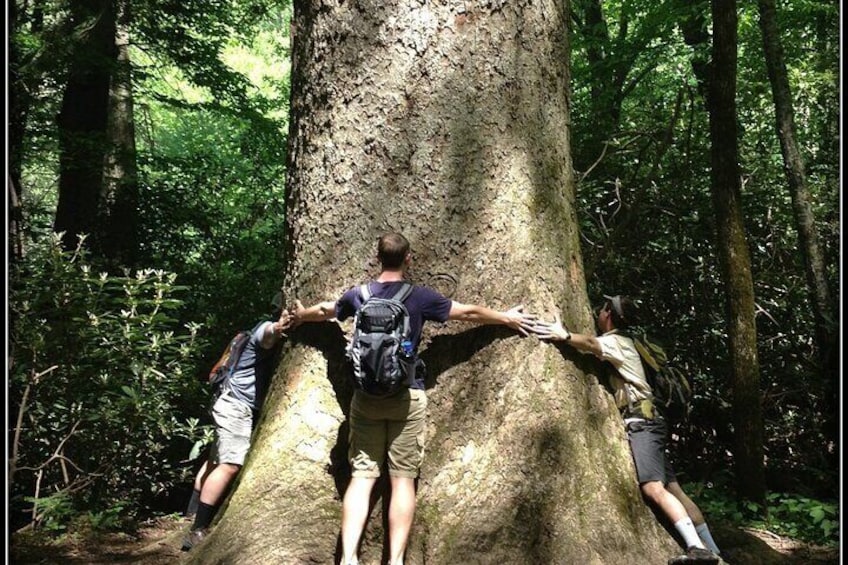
(695, 555)
(193, 538)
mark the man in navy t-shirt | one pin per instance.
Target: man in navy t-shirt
(393, 426)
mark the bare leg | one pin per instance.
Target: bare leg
(202, 474)
(669, 505)
(216, 483)
(697, 517)
(664, 500)
(401, 514)
(357, 500)
(691, 508)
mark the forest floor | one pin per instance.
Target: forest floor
(158, 543)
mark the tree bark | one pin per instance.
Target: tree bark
(824, 308)
(118, 204)
(734, 256)
(18, 99)
(22, 83)
(451, 125)
(15, 236)
(82, 121)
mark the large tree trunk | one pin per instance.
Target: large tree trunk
(82, 121)
(451, 125)
(734, 256)
(824, 308)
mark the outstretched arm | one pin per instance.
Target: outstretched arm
(555, 331)
(275, 331)
(320, 312)
(514, 318)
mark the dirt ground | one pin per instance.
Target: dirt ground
(158, 543)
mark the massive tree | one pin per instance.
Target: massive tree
(449, 123)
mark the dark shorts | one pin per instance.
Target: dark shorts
(647, 444)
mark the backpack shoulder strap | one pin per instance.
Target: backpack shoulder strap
(365, 291)
(403, 293)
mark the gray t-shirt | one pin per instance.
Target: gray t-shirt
(250, 379)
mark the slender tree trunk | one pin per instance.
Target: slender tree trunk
(824, 310)
(449, 123)
(611, 59)
(734, 256)
(693, 26)
(18, 100)
(605, 73)
(118, 205)
(16, 241)
(82, 121)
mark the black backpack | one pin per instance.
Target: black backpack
(670, 386)
(227, 363)
(379, 351)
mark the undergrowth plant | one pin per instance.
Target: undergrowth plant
(790, 515)
(101, 376)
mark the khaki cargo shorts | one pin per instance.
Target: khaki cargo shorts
(393, 426)
(233, 427)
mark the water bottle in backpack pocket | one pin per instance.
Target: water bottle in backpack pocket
(380, 352)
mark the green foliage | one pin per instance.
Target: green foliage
(790, 515)
(212, 178)
(213, 209)
(101, 378)
(54, 510)
(646, 215)
(109, 519)
(109, 363)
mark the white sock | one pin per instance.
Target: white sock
(687, 531)
(704, 533)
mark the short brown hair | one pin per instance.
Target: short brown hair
(392, 249)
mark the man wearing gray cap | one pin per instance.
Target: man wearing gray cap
(646, 428)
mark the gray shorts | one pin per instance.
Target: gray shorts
(647, 444)
(233, 427)
(393, 426)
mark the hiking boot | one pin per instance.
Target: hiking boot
(193, 538)
(695, 555)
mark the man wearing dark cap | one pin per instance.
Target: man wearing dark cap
(646, 429)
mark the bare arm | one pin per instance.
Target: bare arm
(514, 318)
(320, 312)
(275, 331)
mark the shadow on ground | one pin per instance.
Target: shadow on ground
(158, 543)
